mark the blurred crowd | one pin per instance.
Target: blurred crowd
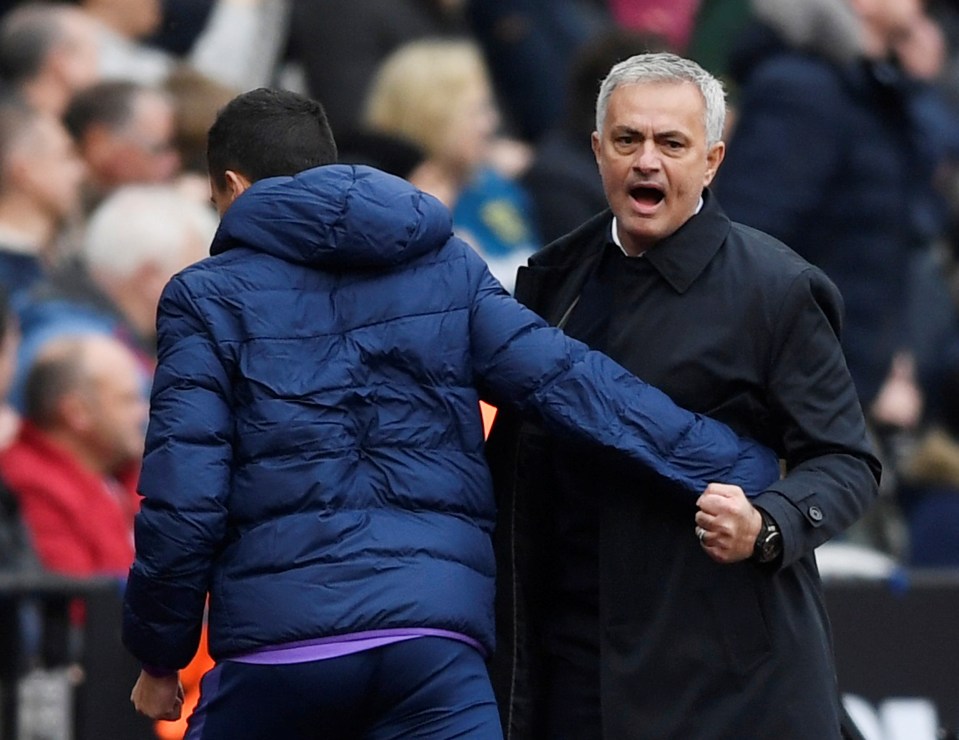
(843, 141)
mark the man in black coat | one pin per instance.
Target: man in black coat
(622, 613)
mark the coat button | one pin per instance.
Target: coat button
(815, 513)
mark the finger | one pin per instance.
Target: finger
(716, 505)
(723, 490)
(171, 715)
(714, 553)
(705, 520)
(710, 503)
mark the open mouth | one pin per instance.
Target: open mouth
(647, 195)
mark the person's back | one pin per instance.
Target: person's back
(353, 402)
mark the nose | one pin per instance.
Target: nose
(647, 157)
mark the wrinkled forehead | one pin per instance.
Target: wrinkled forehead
(666, 102)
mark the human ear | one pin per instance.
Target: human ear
(236, 184)
(714, 158)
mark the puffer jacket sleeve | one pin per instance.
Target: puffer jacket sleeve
(184, 481)
(582, 394)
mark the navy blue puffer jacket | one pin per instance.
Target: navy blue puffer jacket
(314, 458)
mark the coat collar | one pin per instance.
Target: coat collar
(681, 257)
(556, 274)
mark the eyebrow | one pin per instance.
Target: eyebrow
(672, 133)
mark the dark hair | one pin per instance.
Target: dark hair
(27, 34)
(51, 376)
(268, 133)
(108, 103)
(394, 154)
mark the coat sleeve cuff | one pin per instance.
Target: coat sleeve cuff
(158, 672)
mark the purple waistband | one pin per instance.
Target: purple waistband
(324, 648)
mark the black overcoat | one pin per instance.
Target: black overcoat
(729, 322)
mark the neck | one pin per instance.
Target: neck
(438, 181)
(84, 456)
(21, 214)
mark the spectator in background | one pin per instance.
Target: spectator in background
(40, 181)
(562, 180)
(197, 99)
(48, 52)
(74, 464)
(125, 133)
(824, 157)
(134, 242)
(340, 45)
(437, 94)
(828, 155)
(239, 45)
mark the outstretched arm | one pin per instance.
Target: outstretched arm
(584, 395)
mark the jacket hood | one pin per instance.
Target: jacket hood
(824, 28)
(336, 216)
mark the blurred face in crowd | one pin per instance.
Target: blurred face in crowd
(886, 22)
(653, 159)
(75, 58)
(149, 282)
(111, 412)
(142, 150)
(472, 124)
(45, 166)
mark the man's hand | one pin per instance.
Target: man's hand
(158, 698)
(729, 523)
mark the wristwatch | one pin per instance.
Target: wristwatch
(769, 541)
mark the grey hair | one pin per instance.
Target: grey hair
(666, 67)
(143, 224)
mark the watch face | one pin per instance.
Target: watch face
(769, 548)
(768, 543)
